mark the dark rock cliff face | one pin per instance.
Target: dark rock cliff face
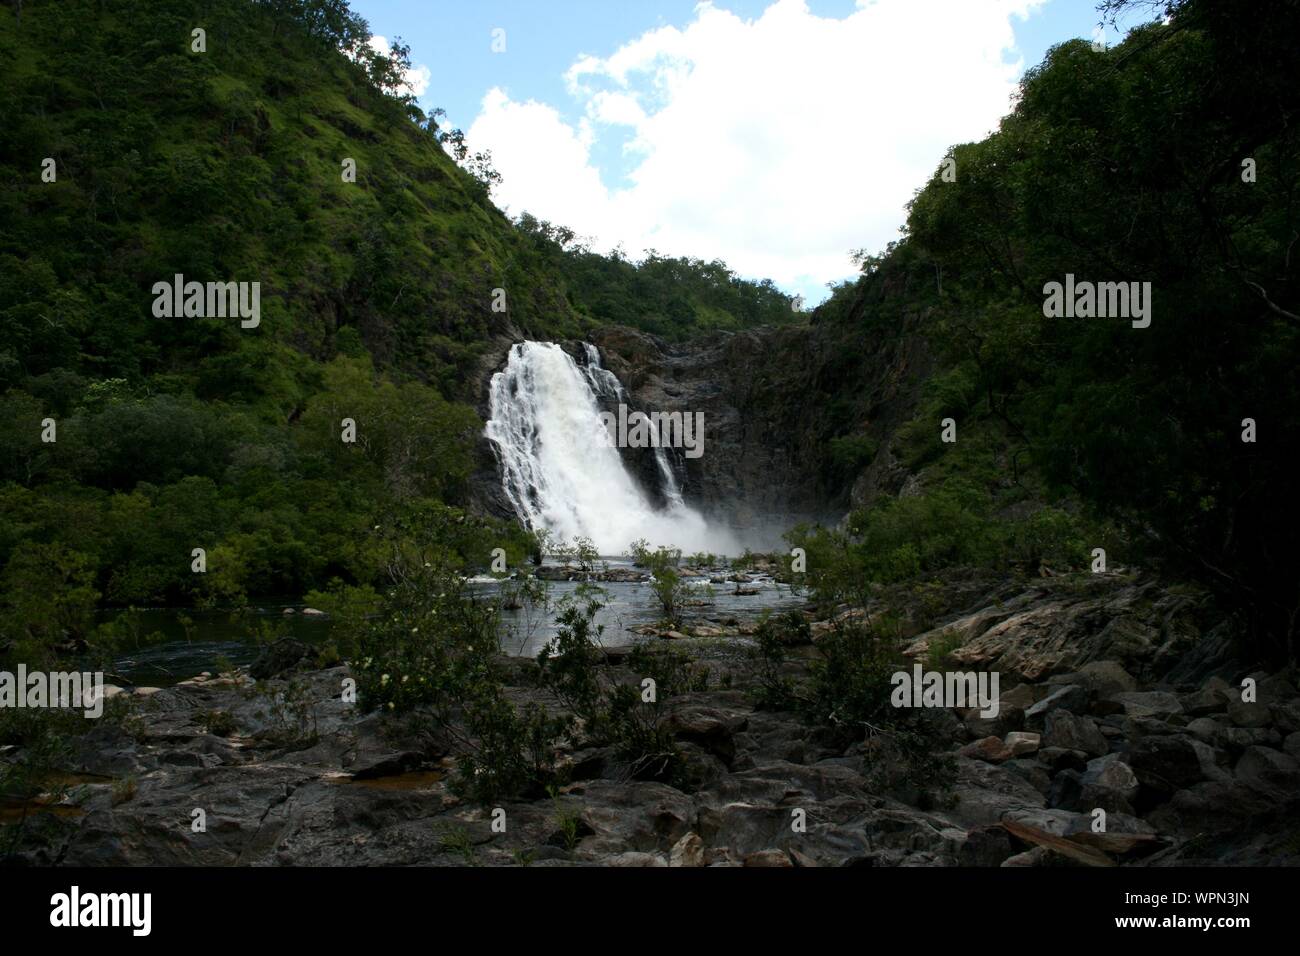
(486, 493)
(773, 399)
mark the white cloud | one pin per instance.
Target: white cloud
(776, 144)
(417, 77)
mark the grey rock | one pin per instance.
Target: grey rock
(1286, 716)
(1152, 703)
(1052, 820)
(1031, 771)
(1115, 823)
(1009, 718)
(985, 792)
(1111, 773)
(1066, 791)
(1104, 678)
(991, 749)
(1022, 742)
(1071, 697)
(1268, 771)
(1206, 730)
(636, 858)
(1035, 856)
(1209, 807)
(769, 858)
(688, 851)
(1164, 765)
(1063, 758)
(1249, 715)
(1277, 689)
(1291, 745)
(1203, 702)
(1072, 732)
(984, 846)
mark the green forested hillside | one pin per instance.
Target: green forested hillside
(1169, 159)
(377, 297)
(675, 298)
(180, 433)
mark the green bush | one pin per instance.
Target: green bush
(849, 454)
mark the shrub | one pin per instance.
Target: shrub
(670, 590)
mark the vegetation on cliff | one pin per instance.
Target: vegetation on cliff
(377, 299)
(1169, 159)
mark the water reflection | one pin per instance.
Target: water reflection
(177, 644)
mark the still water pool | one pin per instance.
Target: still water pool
(176, 644)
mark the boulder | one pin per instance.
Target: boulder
(1115, 823)
(1164, 765)
(1009, 718)
(720, 856)
(1106, 787)
(1214, 763)
(1238, 739)
(1151, 703)
(985, 792)
(280, 657)
(1072, 732)
(990, 749)
(1053, 820)
(1206, 730)
(1233, 739)
(1104, 678)
(1071, 697)
(771, 857)
(985, 846)
(1022, 742)
(1292, 745)
(1249, 715)
(1269, 771)
(636, 815)
(1209, 807)
(1276, 689)
(711, 727)
(1038, 856)
(689, 851)
(1286, 716)
(1066, 792)
(637, 858)
(1111, 774)
(1062, 846)
(1031, 771)
(1024, 695)
(1063, 758)
(1203, 702)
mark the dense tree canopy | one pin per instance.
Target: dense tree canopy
(1170, 159)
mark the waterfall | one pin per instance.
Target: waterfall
(560, 471)
(604, 382)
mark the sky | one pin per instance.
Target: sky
(776, 135)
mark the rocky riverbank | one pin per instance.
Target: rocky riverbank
(1115, 696)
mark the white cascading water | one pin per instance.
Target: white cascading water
(559, 469)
